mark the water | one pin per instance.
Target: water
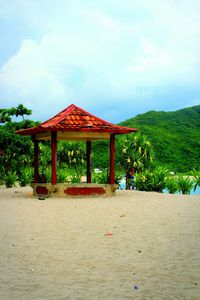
(122, 186)
(192, 192)
(197, 192)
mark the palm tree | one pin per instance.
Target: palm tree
(136, 151)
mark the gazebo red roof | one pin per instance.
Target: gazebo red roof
(75, 119)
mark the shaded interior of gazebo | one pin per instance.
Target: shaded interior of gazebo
(74, 123)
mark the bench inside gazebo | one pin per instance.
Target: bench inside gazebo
(74, 123)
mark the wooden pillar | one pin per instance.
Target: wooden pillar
(35, 163)
(112, 159)
(53, 157)
(89, 178)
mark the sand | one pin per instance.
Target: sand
(136, 245)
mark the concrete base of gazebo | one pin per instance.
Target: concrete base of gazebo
(65, 190)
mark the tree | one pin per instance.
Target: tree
(4, 115)
(7, 113)
(22, 110)
(135, 150)
(71, 153)
(17, 150)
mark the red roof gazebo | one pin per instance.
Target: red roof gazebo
(73, 123)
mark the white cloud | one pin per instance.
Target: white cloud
(25, 72)
(98, 51)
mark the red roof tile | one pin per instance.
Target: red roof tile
(74, 118)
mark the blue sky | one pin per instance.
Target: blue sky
(114, 58)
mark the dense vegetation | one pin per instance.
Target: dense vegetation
(175, 137)
(16, 151)
(171, 143)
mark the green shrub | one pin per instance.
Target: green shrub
(143, 181)
(2, 175)
(71, 175)
(185, 184)
(151, 180)
(118, 178)
(196, 176)
(25, 177)
(62, 175)
(47, 174)
(101, 178)
(172, 185)
(75, 178)
(10, 179)
(158, 180)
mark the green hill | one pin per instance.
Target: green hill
(175, 136)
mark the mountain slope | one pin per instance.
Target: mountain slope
(175, 136)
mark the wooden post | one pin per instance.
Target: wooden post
(35, 163)
(53, 157)
(112, 159)
(88, 144)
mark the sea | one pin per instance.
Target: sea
(122, 186)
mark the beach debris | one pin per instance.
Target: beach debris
(122, 216)
(108, 234)
(195, 283)
(139, 251)
(41, 198)
(135, 287)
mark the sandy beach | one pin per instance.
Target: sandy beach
(135, 245)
